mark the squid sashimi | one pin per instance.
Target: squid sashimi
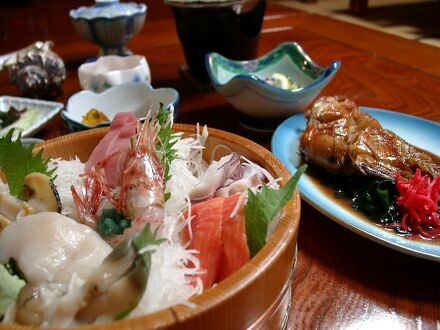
(235, 249)
(206, 238)
(218, 233)
(111, 148)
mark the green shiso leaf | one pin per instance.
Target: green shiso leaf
(263, 206)
(144, 239)
(111, 222)
(17, 161)
(10, 286)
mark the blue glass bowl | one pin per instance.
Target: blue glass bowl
(262, 104)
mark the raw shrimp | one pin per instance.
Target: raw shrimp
(95, 189)
(140, 196)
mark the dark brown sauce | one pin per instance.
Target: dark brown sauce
(320, 179)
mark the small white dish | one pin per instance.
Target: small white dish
(113, 70)
(137, 98)
(42, 113)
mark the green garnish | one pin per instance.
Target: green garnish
(27, 118)
(122, 315)
(10, 286)
(374, 197)
(167, 141)
(144, 239)
(111, 222)
(263, 206)
(17, 161)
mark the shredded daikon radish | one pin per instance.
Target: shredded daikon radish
(237, 206)
(218, 147)
(4, 187)
(68, 174)
(171, 281)
(182, 179)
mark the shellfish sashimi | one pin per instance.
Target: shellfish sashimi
(56, 256)
(341, 138)
(112, 148)
(218, 232)
(49, 247)
(219, 173)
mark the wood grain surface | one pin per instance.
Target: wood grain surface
(342, 280)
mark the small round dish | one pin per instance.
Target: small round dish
(113, 70)
(110, 24)
(247, 84)
(137, 98)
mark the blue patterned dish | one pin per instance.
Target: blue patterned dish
(137, 98)
(113, 70)
(110, 24)
(246, 83)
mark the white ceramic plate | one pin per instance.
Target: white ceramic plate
(44, 111)
(419, 132)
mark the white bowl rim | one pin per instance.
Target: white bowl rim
(136, 60)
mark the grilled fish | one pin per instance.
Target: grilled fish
(343, 139)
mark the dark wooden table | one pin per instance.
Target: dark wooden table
(342, 279)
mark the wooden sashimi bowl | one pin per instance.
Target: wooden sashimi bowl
(255, 297)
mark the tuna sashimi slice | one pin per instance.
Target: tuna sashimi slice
(206, 238)
(111, 150)
(235, 248)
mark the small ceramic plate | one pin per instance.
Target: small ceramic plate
(285, 143)
(137, 98)
(38, 114)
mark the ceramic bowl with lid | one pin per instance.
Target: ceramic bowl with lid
(272, 87)
(110, 24)
(113, 70)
